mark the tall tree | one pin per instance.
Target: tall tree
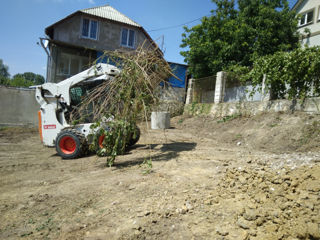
(4, 73)
(36, 79)
(4, 70)
(19, 81)
(236, 35)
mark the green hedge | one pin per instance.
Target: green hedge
(289, 75)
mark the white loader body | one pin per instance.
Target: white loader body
(54, 100)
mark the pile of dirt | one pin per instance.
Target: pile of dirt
(272, 205)
(269, 132)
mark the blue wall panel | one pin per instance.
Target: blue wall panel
(180, 71)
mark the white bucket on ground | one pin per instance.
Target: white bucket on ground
(160, 120)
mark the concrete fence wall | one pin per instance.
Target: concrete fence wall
(201, 90)
(219, 88)
(241, 93)
(18, 107)
(218, 110)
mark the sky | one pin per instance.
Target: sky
(24, 21)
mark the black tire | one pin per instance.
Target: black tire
(71, 144)
(135, 138)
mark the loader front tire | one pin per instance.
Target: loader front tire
(70, 144)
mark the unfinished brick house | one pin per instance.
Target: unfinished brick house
(77, 40)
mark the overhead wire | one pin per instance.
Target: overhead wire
(291, 2)
(179, 25)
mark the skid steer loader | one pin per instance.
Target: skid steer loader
(56, 102)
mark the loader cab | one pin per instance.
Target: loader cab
(79, 94)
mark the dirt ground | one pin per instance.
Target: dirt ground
(232, 178)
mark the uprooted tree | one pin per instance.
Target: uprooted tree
(126, 99)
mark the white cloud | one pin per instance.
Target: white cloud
(91, 1)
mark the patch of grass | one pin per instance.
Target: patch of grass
(147, 166)
(275, 122)
(17, 129)
(230, 118)
(3, 128)
(199, 108)
(26, 234)
(238, 136)
(180, 121)
(46, 224)
(31, 221)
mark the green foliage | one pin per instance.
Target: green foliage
(116, 138)
(294, 74)
(4, 80)
(237, 73)
(147, 166)
(36, 79)
(236, 35)
(19, 81)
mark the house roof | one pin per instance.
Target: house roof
(297, 4)
(110, 13)
(105, 12)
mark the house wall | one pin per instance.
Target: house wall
(67, 35)
(57, 51)
(314, 38)
(311, 41)
(69, 31)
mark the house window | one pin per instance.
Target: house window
(306, 18)
(127, 37)
(70, 65)
(89, 29)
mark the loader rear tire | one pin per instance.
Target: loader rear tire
(71, 144)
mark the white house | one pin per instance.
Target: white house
(309, 11)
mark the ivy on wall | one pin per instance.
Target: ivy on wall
(292, 75)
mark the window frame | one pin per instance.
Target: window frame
(305, 14)
(128, 38)
(89, 28)
(70, 57)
